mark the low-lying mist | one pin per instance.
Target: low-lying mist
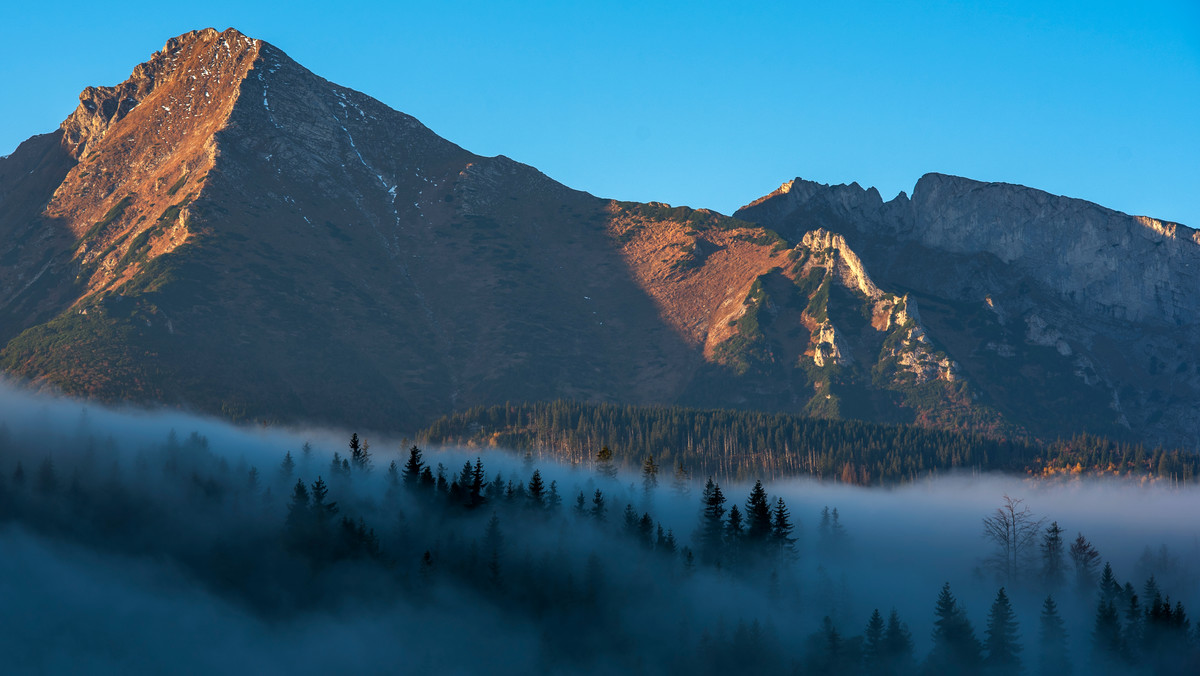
(147, 542)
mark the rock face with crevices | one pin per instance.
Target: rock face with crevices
(1064, 315)
(228, 232)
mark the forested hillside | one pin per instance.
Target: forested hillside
(745, 444)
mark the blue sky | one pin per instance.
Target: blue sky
(708, 103)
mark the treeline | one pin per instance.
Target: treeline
(746, 444)
(570, 566)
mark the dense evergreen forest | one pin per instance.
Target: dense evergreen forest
(589, 569)
(746, 444)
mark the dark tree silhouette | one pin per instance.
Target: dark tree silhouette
(1054, 573)
(1002, 643)
(955, 648)
(649, 475)
(413, 467)
(1052, 642)
(758, 515)
(1085, 559)
(781, 529)
(710, 533)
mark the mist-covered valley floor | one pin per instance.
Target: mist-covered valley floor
(154, 542)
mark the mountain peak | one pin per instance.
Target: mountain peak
(202, 65)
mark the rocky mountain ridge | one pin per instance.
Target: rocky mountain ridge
(227, 231)
(1003, 272)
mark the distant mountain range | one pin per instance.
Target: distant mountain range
(228, 232)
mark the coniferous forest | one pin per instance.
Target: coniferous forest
(146, 544)
(749, 444)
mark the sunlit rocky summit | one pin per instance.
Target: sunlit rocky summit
(228, 232)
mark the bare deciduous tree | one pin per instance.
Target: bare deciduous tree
(1014, 530)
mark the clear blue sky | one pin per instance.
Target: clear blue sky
(712, 103)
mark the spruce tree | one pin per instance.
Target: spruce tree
(646, 530)
(1085, 559)
(874, 649)
(536, 492)
(649, 475)
(287, 468)
(781, 529)
(1106, 634)
(898, 646)
(955, 648)
(1003, 648)
(1053, 564)
(598, 509)
(1110, 589)
(710, 534)
(604, 463)
(553, 499)
(682, 480)
(299, 515)
(413, 467)
(1052, 642)
(733, 529)
(629, 521)
(758, 515)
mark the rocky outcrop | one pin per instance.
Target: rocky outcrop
(1096, 308)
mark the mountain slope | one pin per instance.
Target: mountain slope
(229, 232)
(1065, 315)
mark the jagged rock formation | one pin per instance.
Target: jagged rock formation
(1063, 315)
(229, 232)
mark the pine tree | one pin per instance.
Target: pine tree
(393, 480)
(355, 447)
(649, 475)
(581, 505)
(322, 511)
(1085, 559)
(758, 515)
(598, 508)
(874, 649)
(681, 481)
(299, 514)
(287, 468)
(955, 648)
(475, 493)
(1052, 643)
(1053, 568)
(427, 480)
(604, 463)
(646, 530)
(553, 499)
(413, 467)
(441, 485)
(361, 459)
(629, 520)
(1106, 635)
(781, 529)
(898, 646)
(1110, 589)
(1003, 649)
(710, 534)
(1132, 636)
(733, 529)
(536, 491)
